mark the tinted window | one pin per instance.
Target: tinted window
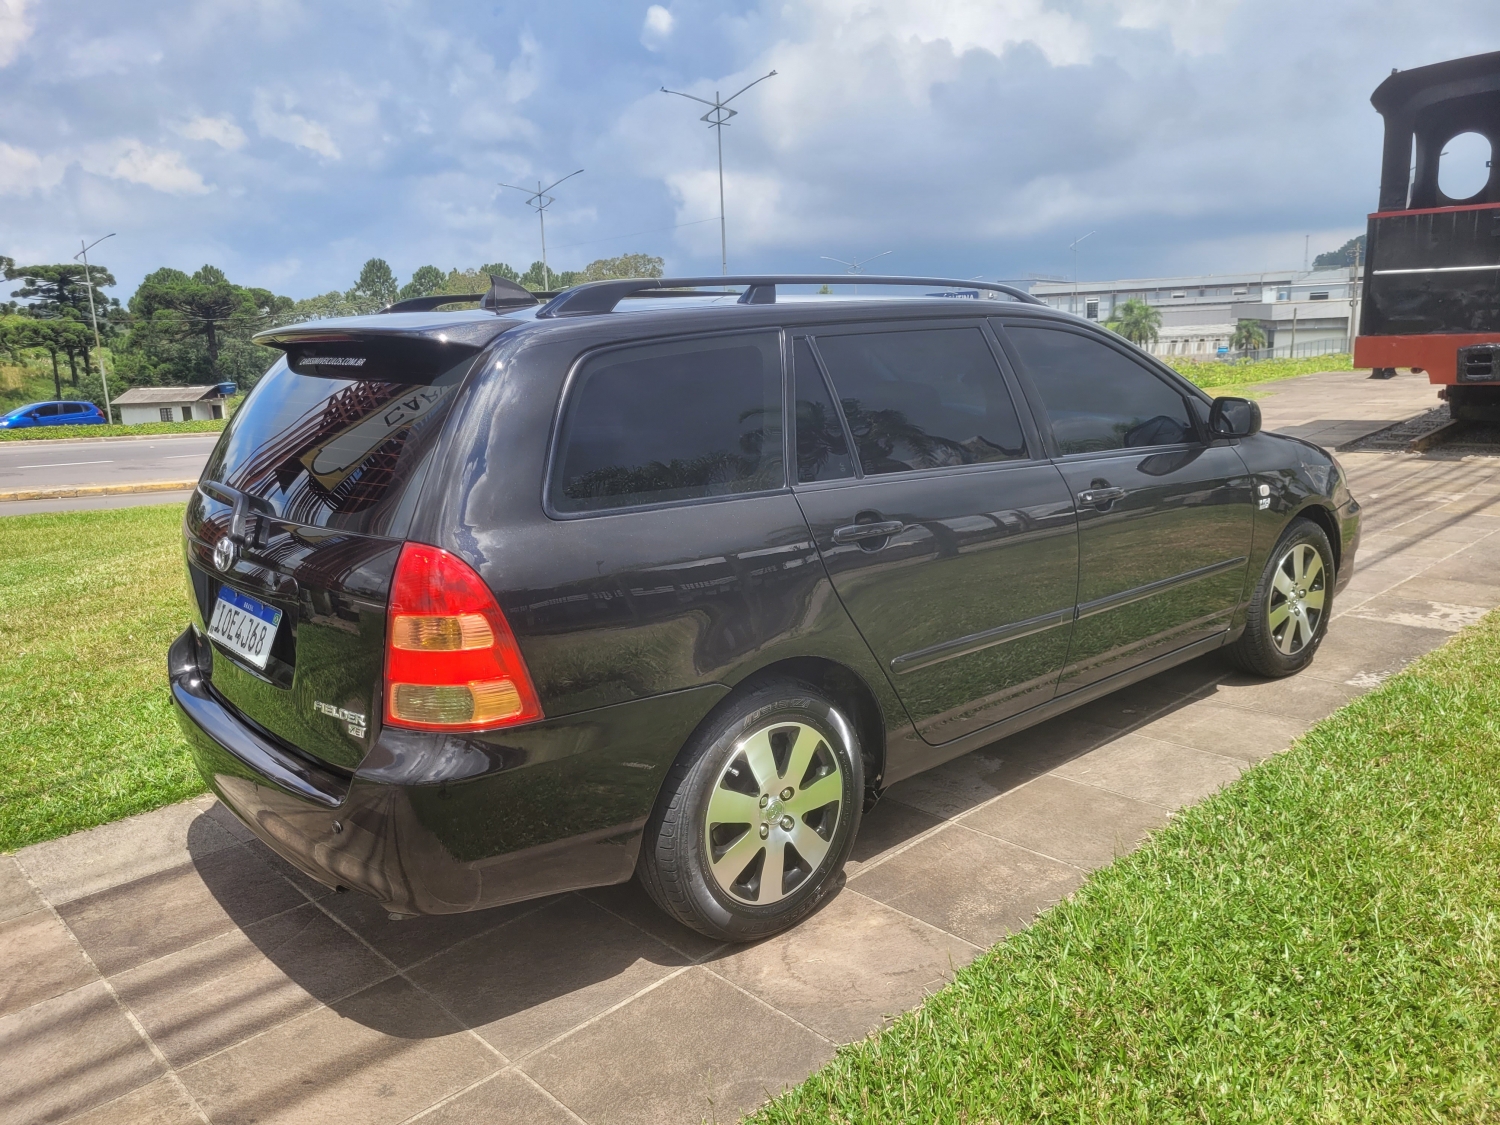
(51, 410)
(331, 452)
(923, 399)
(1096, 397)
(822, 450)
(675, 421)
(74, 408)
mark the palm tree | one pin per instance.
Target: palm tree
(1137, 321)
(1247, 337)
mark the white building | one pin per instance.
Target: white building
(172, 404)
(1300, 313)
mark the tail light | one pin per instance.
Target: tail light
(451, 661)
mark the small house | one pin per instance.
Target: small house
(172, 404)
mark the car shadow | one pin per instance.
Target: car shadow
(524, 973)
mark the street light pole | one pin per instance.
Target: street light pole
(1073, 308)
(856, 266)
(717, 117)
(88, 282)
(541, 201)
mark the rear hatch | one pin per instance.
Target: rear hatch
(307, 498)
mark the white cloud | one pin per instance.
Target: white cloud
(157, 168)
(15, 29)
(293, 128)
(657, 28)
(1196, 26)
(222, 131)
(23, 171)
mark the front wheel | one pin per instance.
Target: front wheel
(757, 816)
(1289, 610)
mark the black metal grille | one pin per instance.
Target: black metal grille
(1479, 364)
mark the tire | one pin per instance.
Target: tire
(724, 821)
(1290, 608)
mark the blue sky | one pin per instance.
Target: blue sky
(288, 141)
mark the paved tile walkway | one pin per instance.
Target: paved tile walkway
(167, 968)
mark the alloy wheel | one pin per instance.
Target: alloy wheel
(773, 812)
(1298, 591)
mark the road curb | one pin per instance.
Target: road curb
(97, 490)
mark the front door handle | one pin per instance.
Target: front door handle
(1092, 496)
(854, 532)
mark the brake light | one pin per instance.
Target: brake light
(451, 661)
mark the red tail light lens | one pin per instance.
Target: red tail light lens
(451, 661)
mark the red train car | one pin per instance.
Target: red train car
(1432, 270)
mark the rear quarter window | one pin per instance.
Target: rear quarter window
(672, 421)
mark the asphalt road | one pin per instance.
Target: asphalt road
(66, 464)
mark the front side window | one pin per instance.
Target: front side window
(1097, 398)
(923, 399)
(675, 421)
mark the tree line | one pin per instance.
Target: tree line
(181, 329)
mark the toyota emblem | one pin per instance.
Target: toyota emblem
(225, 552)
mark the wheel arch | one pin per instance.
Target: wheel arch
(1325, 518)
(842, 684)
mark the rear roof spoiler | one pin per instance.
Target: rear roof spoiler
(759, 289)
(503, 294)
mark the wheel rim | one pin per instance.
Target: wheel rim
(1298, 592)
(773, 813)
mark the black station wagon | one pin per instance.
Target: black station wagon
(668, 579)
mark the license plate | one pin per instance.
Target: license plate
(245, 626)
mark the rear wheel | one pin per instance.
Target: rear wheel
(1474, 404)
(1289, 610)
(757, 817)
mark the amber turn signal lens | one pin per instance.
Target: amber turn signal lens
(455, 704)
(440, 634)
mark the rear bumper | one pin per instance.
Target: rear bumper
(434, 824)
(1435, 353)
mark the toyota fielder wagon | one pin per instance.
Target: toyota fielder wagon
(669, 579)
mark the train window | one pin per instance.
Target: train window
(1464, 167)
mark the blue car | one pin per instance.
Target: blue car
(53, 414)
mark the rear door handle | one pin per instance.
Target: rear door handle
(854, 532)
(1091, 496)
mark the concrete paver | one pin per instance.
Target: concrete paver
(1079, 824)
(168, 968)
(694, 1048)
(847, 968)
(968, 883)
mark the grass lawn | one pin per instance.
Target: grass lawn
(89, 602)
(1235, 377)
(1320, 942)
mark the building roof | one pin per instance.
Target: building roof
(165, 396)
(1193, 281)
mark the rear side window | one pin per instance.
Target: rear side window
(1097, 398)
(672, 421)
(822, 449)
(923, 399)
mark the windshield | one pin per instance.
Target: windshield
(335, 453)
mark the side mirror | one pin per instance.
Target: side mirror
(1234, 417)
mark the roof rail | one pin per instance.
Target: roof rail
(503, 294)
(759, 289)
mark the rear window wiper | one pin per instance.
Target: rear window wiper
(242, 504)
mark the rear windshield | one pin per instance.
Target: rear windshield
(344, 454)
